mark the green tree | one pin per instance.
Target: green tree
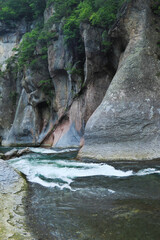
(101, 13)
(17, 9)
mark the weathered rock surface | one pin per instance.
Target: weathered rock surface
(58, 97)
(15, 153)
(23, 130)
(10, 35)
(56, 116)
(10, 154)
(77, 97)
(33, 114)
(8, 95)
(12, 216)
(126, 125)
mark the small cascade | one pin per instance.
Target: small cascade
(51, 168)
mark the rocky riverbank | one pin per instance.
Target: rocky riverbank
(12, 192)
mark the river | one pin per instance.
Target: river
(72, 200)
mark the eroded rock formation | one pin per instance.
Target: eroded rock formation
(57, 115)
(10, 87)
(125, 125)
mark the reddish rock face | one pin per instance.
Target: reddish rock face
(75, 101)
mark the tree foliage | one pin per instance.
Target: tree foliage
(101, 13)
(97, 12)
(156, 7)
(28, 46)
(38, 37)
(17, 9)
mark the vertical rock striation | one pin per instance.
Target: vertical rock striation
(10, 88)
(77, 96)
(126, 125)
(58, 96)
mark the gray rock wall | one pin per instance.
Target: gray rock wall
(76, 97)
(54, 115)
(10, 36)
(126, 125)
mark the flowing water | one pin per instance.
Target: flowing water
(72, 200)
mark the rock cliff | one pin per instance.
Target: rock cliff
(126, 124)
(57, 97)
(109, 98)
(10, 87)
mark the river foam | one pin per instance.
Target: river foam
(61, 173)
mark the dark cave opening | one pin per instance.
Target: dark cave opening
(43, 110)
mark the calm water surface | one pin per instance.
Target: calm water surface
(72, 200)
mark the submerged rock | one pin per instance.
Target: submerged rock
(10, 154)
(16, 153)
